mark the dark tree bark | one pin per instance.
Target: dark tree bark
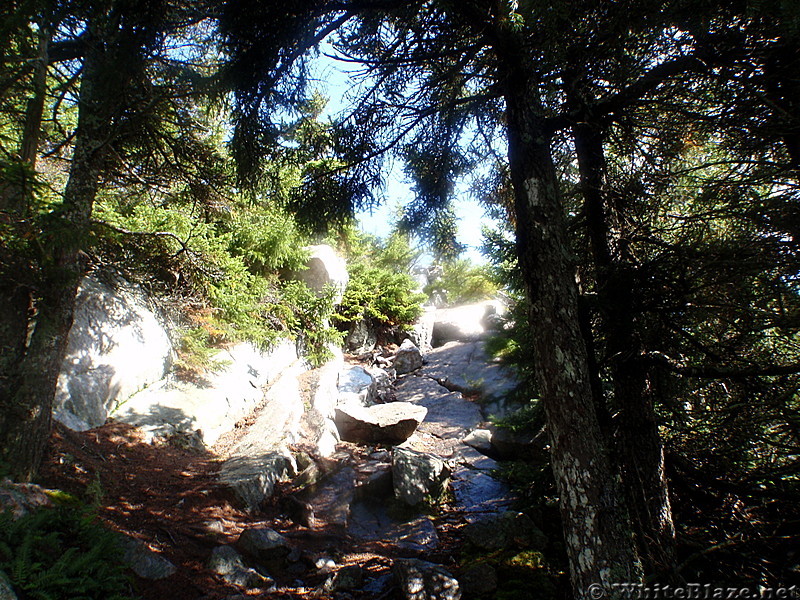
(597, 527)
(639, 448)
(37, 293)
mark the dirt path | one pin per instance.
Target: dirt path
(166, 495)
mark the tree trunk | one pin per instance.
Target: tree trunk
(597, 528)
(640, 451)
(38, 299)
(15, 194)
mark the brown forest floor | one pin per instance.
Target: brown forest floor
(166, 495)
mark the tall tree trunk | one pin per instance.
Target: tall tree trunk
(15, 194)
(597, 528)
(640, 450)
(37, 300)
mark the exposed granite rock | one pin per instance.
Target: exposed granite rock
(390, 423)
(418, 476)
(118, 345)
(408, 358)
(143, 561)
(422, 580)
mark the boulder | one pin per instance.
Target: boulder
(501, 531)
(481, 440)
(418, 476)
(356, 387)
(229, 565)
(325, 267)
(361, 337)
(422, 580)
(408, 358)
(21, 498)
(390, 423)
(264, 545)
(143, 561)
(251, 479)
(464, 323)
(117, 346)
(350, 577)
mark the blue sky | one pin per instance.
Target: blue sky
(334, 82)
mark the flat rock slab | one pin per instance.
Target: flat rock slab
(449, 417)
(465, 367)
(370, 521)
(262, 458)
(331, 498)
(213, 405)
(390, 423)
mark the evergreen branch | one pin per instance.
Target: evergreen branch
(708, 372)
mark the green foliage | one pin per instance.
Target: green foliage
(307, 315)
(59, 553)
(463, 282)
(380, 287)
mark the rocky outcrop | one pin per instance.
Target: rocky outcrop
(463, 323)
(262, 456)
(422, 580)
(118, 345)
(214, 404)
(390, 423)
(325, 268)
(418, 476)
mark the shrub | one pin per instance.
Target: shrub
(62, 552)
(464, 282)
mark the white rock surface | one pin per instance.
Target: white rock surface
(356, 387)
(214, 405)
(117, 346)
(325, 267)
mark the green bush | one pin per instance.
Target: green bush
(380, 288)
(62, 553)
(464, 282)
(307, 316)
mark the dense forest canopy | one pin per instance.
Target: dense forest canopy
(643, 156)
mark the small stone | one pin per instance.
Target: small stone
(350, 577)
(325, 564)
(143, 561)
(263, 544)
(421, 580)
(481, 440)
